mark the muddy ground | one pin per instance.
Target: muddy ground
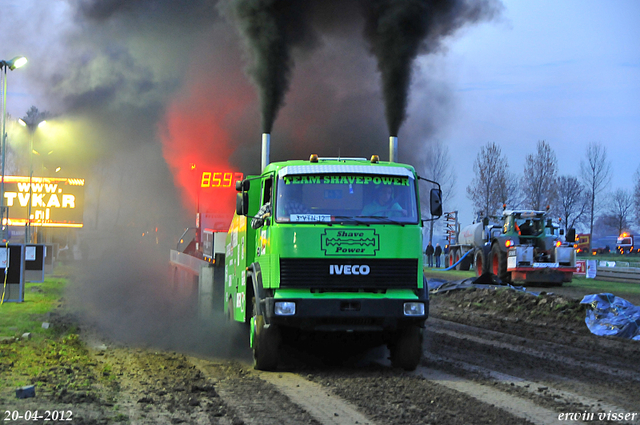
(125, 381)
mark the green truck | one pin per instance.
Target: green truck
(329, 245)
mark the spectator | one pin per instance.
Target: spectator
(438, 253)
(429, 251)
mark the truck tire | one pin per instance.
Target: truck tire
(406, 351)
(466, 263)
(230, 317)
(498, 263)
(478, 262)
(456, 258)
(265, 342)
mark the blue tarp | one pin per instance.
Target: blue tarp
(612, 316)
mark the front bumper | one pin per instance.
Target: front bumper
(339, 314)
(542, 275)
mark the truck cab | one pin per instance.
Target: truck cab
(329, 245)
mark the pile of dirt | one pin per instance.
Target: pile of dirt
(496, 306)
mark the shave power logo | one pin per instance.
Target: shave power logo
(352, 242)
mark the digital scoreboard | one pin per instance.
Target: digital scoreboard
(219, 179)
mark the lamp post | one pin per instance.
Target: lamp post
(12, 64)
(32, 125)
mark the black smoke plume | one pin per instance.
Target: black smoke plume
(399, 30)
(271, 28)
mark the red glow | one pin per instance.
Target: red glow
(197, 138)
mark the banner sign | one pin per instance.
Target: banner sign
(55, 202)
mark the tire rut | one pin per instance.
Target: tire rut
(277, 397)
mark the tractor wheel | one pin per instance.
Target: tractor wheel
(456, 258)
(498, 263)
(265, 341)
(451, 258)
(466, 263)
(479, 262)
(406, 351)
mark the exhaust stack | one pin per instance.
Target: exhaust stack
(266, 145)
(393, 149)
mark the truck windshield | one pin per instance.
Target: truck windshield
(331, 198)
(528, 226)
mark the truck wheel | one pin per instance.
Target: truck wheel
(456, 258)
(498, 263)
(479, 262)
(265, 340)
(230, 317)
(406, 351)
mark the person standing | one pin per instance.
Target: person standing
(438, 253)
(429, 251)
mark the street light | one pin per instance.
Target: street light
(32, 125)
(14, 63)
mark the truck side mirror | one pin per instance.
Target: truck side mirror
(242, 203)
(436, 202)
(243, 185)
(571, 235)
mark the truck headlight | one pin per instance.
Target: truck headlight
(285, 308)
(414, 309)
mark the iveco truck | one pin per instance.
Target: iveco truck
(330, 245)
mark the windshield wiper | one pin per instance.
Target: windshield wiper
(382, 219)
(351, 218)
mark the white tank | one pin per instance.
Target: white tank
(472, 235)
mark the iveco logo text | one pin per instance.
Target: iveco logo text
(349, 269)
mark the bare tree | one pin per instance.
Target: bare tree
(487, 190)
(619, 210)
(539, 180)
(436, 166)
(571, 202)
(509, 192)
(595, 172)
(35, 115)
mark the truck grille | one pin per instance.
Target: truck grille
(344, 274)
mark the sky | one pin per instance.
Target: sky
(565, 72)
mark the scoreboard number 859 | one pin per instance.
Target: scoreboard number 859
(219, 179)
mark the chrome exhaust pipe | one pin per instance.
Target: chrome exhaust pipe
(393, 149)
(266, 146)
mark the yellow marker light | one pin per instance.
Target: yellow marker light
(508, 243)
(375, 159)
(558, 243)
(313, 158)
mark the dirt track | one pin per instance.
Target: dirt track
(490, 357)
